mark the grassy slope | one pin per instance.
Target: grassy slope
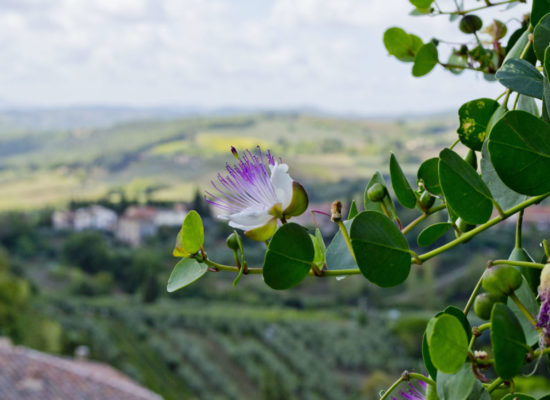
(174, 157)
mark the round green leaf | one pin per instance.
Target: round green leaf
(401, 44)
(430, 367)
(448, 343)
(457, 312)
(521, 76)
(338, 255)
(381, 250)
(187, 271)
(401, 187)
(474, 117)
(541, 36)
(519, 396)
(538, 10)
(426, 59)
(422, 4)
(508, 341)
(519, 148)
(433, 232)
(456, 386)
(503, 195)
(463, 188)
(191, 236)
(428, 173)
(289, 257)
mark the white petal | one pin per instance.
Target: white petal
(249, 219)
(282, 183)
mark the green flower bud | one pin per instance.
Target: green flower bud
(427, 200)
(232, 241)
(497, 29)
(376, 192)
(483, 304)
(463, 226)
(501, 280)
(470, 23)
(299, 201)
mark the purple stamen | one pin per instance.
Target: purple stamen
(246, 185)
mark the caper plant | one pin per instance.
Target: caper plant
(509, 135)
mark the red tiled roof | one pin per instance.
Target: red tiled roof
(32, 375)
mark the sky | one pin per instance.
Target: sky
(252, 54)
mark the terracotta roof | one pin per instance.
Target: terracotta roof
(32, 375)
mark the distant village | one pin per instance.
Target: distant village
(132, 227)
(137, 223)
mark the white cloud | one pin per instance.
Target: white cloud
(213, 53)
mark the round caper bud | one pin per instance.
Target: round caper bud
(501, 280)
(470, 23)
(376, 192)
(427, 200)
(483, 304)
(232, 241)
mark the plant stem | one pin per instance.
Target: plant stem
(463, 12)
(466, 236)
(421, 377)
(391, 388)
(515, 102)
(332, 272)
(526, 264)
(457, 141)
(345, 235)
(523, 309)
(519, 224)
(495, 384)
(472, 296)
(546, 250)
(422, 218)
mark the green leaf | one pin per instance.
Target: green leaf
(517, 396)
(456, 386)
(521, 76)
(508, 341)
(187, 271)
(538, 10)
(518, 45)
(527, 298)
(464, 190)
(448, 343)
(352, 210)
(402, 45)
(430, 367)
(546, 87)
(375, 205)
(457, 312)
(191, 236)
(519, 148)
(433, 232)
(401, 186)
(338, 255)
(474, 117)
(497, 115)
(503, 195)
(541, 36)
(289, 257)
(422, 4)
(526, 103)
(381, 250)
(428, 173)
(426, 59)
(319, 249)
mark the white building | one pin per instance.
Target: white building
(93, 217)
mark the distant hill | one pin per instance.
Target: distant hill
(166, 156)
